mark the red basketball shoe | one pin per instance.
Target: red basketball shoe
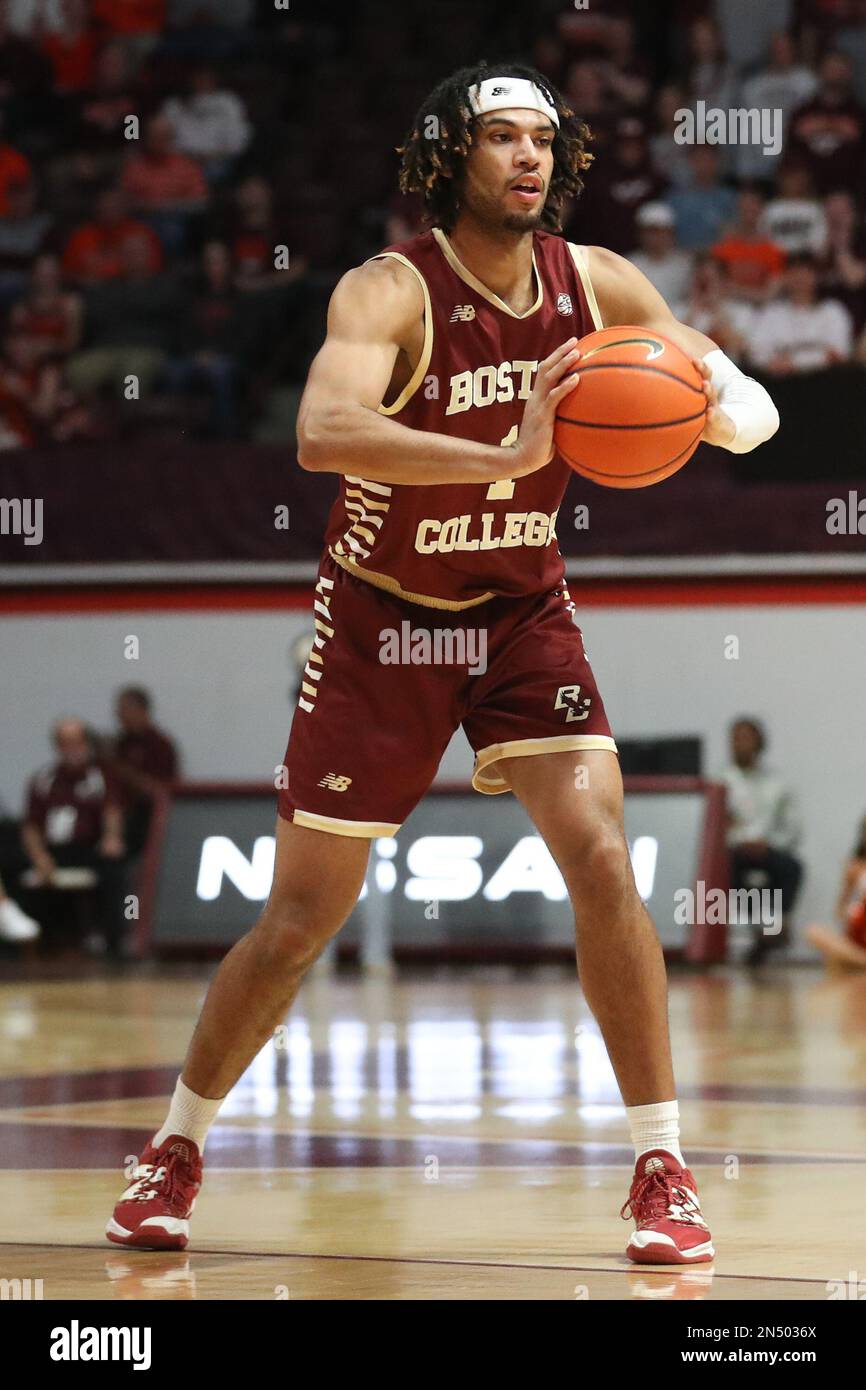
(669, 1226)
(154, 1211)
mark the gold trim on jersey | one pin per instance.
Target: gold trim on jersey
(355, 499)
(475, 284)
(356, 829)
(392, 586)
(495, 783)
(426, 351)
(581, 262)
(314, 669)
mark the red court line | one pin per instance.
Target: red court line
(640, 593)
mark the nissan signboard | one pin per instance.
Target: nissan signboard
(464, 872)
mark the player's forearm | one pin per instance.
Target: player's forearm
(353, 440)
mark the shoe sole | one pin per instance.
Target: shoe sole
(670, 1255)
(154, 1239)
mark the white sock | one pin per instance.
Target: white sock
(655, 1127)
(189, 1115)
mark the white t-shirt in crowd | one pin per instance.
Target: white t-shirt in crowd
(762, 807)
(806, 334)
(209, 124)
(795, 224)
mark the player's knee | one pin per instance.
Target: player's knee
(294, 931)
(600, 867)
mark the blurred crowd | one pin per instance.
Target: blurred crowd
(182, 182)
(75, 857)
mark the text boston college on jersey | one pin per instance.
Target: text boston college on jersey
(473, 377)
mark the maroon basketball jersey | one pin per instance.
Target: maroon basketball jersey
(456, 545)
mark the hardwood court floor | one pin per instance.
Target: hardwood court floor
(447, 1136)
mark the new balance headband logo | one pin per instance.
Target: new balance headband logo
(500, 91)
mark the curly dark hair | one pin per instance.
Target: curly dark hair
(436, 147)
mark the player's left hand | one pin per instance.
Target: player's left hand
(719, 428)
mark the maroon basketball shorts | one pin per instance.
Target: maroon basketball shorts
(389, 681)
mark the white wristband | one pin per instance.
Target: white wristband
(744, 401)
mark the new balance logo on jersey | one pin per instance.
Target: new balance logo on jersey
(563, 304)
(568, 697)
(335, 782)
(462, 313)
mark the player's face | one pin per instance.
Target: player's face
(509, 169)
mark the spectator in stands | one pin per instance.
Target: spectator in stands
(842, 258)
(669, 157)
(23, 232)
(703, 209)
(15, 170)
(829, 132)
(710, 76)
(763, 827)
(847, 947)
(800, 332)
(95, 251)
(851, 40)
(144, 762)
(71, 49)
(784, 85)
(130, 324)
(36, 405)
(794, 219)
(666, 267)
(213, 340)
(253, 235)
(207, 28)
(137, 24)
(73, 819)
(165, 187)
(587, 91)
(25, 77)
(103, 108)
(626, 73)
(747, 29)
(210, 123)
(712, 309)
(49, 315)
(753, 262)
(606, 211)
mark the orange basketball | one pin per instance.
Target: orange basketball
(637, 412)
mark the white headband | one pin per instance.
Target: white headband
(497, 93)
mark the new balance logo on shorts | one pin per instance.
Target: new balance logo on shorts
(462, 313)
(335, 782)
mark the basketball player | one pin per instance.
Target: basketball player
(847, 948)
(433, 398)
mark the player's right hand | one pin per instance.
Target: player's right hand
(555, 378)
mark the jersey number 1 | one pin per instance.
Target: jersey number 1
(503, 487)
